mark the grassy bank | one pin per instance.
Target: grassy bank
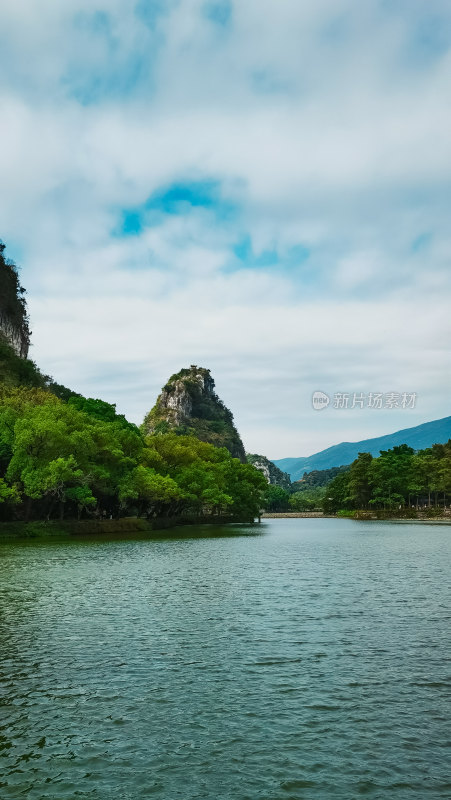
(45, 530)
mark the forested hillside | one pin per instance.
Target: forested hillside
(419, 437)
(65, 455)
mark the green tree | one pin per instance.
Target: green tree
(337, 496)
(150, 492)
(359, 481)
(56, 448)
(276, 499)
(390, 476)
(299, 501)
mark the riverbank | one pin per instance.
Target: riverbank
(133, 526)
(13, 531)
(361, 516)
(297, 515)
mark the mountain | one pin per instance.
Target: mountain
(419, 437)
(189, 404)
(273, 474)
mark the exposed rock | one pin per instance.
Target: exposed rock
(13, 310)
(189, 404)
(14, 336)
(273, 474)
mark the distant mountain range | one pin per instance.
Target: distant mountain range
(419, 437)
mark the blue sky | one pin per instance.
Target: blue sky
(261, 188)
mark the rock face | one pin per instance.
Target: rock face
(189, 404)
(14, 336)
(273, 474)
(13, 310)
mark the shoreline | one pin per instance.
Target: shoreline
(125, 526)
(442, 520)
(137, 526)
(297, 515)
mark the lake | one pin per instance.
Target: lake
(296, 659)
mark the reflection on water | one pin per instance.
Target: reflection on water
(296, 659)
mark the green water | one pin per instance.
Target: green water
(302, 658)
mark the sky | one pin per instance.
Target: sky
(260, 188)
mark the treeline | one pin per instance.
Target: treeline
(75, 457)
(317, 478)
(307, 494)
(398, 479)
(278, 499)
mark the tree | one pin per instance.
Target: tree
(299, 501)
(424, 476)
(276, 498)
(56, 447)
(246, 485)
(149, 491)
(359, 481)
(390, 476)
(337, 494)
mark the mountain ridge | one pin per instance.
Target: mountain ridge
(419, 437)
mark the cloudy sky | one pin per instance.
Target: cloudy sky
(260, 187)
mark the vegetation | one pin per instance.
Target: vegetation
(63, 455)
(399, 479)
(308, 494)
(16, 371)
(317, 478)
(276, 499)
(419, 437)
(308, 500)
(80, 459)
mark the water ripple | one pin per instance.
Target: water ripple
(308, 662)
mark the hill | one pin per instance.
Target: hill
(419, 437)
(188, 404)
(273, 474)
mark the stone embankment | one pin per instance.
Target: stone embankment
(296, 515)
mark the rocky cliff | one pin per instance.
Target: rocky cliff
(189, 404)
(13, 310)
(273, 474)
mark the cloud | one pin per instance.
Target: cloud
(259, 187)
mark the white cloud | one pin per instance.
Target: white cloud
(325, 124)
